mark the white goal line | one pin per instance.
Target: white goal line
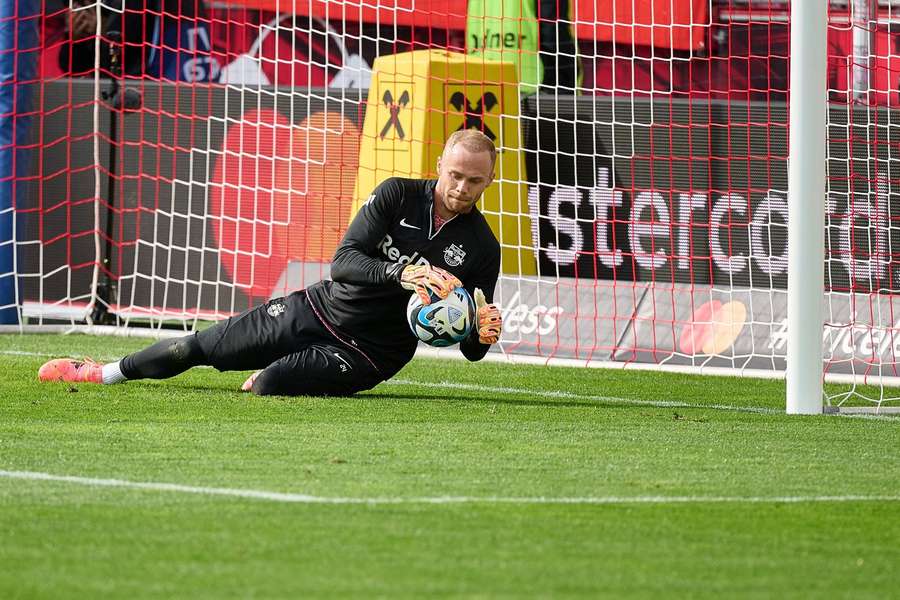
(292, 498)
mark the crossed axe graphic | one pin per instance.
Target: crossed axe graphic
(394, 120)
(475, 116)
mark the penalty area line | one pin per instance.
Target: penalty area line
(291, 498)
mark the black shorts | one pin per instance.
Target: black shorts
(298, 352)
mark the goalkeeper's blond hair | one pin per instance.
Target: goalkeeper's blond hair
(473, 141)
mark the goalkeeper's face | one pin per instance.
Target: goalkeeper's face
(462, 176)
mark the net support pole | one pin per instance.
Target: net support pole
(864, 16)
(806, 207)
(18, 59)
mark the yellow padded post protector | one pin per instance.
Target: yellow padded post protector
(416, 100)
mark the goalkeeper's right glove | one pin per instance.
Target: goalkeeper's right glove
(424, 279)
(490, 321)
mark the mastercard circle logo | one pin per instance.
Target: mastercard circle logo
(713, 328)
(281, 192)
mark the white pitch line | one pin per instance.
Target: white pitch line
(310, 499)
(469, 387)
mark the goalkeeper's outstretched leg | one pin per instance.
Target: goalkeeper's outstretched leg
(164, 359)
(284, 337)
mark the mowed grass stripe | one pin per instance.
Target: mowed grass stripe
(295, 498)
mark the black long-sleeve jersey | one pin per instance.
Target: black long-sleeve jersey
(364, 300)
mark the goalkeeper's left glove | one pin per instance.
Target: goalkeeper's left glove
(425, 279)
(490, 322)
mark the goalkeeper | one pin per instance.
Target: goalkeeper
(348, 334)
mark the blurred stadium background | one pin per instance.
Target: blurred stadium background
(174, 161)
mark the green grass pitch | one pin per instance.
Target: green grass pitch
(455, 480)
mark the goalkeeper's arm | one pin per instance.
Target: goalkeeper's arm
(354, 261)
(355, 258)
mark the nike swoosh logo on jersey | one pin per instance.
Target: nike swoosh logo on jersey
(403, 223)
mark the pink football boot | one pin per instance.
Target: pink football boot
(74, 371)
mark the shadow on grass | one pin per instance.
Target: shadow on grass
(234, 394)
(430, 397)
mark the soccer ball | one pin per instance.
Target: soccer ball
(443, 322)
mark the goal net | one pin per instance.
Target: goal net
(191, 159)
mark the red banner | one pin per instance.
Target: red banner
(676, 24)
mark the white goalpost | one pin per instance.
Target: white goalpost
(806, 203)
